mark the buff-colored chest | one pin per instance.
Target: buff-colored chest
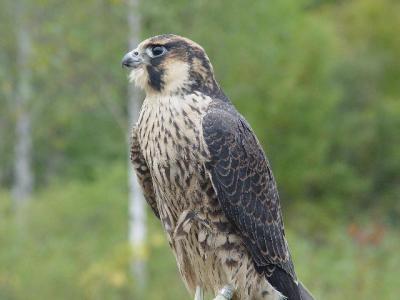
(170, 135)
(171, 141)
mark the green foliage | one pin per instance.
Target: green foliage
(367, 131)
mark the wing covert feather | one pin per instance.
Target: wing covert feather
(246, 189)
(142, 172)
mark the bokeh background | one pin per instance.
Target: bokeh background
(319, 81)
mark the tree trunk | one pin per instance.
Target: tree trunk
(23, 181)
(137, 208)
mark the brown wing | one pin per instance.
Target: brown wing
(247, 193)
(143, 173)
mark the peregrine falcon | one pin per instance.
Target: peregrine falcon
(205, 176)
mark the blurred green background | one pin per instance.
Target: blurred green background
(319, 81)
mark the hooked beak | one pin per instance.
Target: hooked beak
(132, 59)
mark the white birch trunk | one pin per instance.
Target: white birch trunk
(137, 205)
(23, 181)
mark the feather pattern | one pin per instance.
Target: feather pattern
(247, 192)
(143, 172)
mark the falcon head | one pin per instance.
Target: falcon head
(168, 64)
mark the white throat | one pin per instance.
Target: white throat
(175, 76)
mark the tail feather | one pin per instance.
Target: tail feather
(304, 293)
(287, 286)
(284, 284)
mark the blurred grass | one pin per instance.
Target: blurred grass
(72, 245)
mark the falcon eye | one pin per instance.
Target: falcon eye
(156, 51)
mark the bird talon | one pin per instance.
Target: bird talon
(226, 293)
(199, 294)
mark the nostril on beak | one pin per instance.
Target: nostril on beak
(131, 60)
(127, 60)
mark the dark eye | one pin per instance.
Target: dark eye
(157, 51)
